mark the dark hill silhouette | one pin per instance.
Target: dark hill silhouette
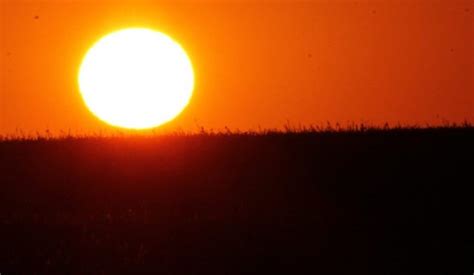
(369, 202)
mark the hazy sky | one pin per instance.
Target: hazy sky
(257, 63)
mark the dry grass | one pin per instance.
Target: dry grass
(287, 129)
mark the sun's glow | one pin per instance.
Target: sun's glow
(136, 78)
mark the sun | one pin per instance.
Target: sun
(136, 78)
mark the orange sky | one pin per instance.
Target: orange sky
(257, 63)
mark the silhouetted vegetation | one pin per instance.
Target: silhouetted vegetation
(302, 201)
(288, 128)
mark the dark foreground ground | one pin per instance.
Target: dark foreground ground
(383, 202)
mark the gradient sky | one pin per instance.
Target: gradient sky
(257, 63)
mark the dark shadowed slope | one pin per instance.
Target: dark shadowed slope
(379, 202)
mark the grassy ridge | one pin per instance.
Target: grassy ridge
(369, 201)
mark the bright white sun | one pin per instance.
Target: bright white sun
(136, 78)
